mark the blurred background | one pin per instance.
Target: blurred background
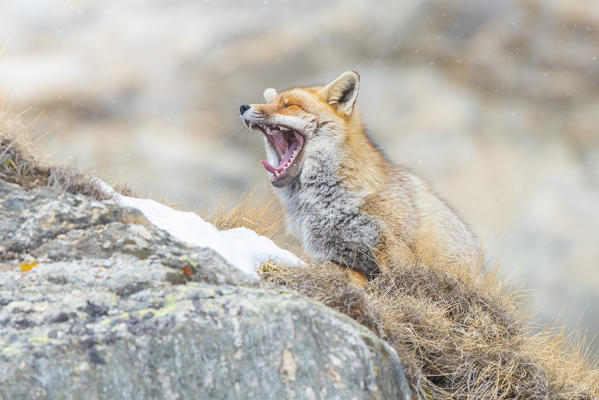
(496, 103)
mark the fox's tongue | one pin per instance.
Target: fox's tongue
(268, 167)
(284, 160)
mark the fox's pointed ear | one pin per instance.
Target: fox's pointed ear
(270, 94)
(342, 91)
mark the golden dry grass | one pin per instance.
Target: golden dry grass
(267, 218)
(19, 164)
(457, 338)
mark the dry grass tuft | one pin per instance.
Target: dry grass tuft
(266, 218)
(19, 165)
(329, 285)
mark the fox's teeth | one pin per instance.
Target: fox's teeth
(288, 163)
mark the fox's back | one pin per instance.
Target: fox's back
(419, 218)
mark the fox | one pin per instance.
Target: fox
(343, 198)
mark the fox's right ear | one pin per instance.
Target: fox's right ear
(342, 91)
(270, 94)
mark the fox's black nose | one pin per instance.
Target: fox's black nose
(244, 108)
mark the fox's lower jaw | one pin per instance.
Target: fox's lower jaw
(288, 145)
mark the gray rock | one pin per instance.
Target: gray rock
(48, 226)
(118, 309)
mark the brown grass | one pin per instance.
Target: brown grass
(20, 166)
(457, 338)
(267, 218)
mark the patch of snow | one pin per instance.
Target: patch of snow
(241, 247)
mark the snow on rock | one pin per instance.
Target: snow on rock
(241, 247)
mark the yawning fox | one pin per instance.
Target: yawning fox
(346, 201)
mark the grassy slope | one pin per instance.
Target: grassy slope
(459, 333)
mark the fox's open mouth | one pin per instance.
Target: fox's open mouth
(287, 144)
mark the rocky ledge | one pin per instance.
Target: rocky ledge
(96, 302)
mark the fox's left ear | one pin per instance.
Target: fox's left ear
(342, 91)
(270, 94)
